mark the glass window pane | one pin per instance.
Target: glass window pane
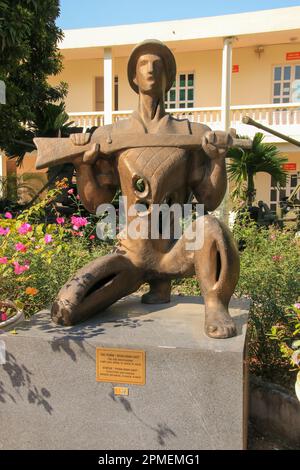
(286, 88)
(182, 95)
(297, 72)
(276, 100)
(277, 87)
(182, 105)
(190, 94)
(172, 95)
(282, 193)
(287, 73)
(273, 195)
(182, 80)
(277, 73)
(172, 105)
(273, 207)
(293, 181)
(190, 79)
(286, 100)
(190, 105)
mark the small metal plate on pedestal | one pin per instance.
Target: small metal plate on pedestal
(120, 366)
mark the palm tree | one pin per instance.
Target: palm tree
(245, 163)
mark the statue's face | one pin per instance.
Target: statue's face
(150, 75)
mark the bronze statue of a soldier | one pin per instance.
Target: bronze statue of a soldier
(172, 159)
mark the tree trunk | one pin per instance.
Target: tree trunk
(250, 189)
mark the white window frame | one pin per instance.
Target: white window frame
(177, 89)
(281, 96)
(288, 189)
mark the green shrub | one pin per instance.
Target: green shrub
(270, 278)
(287, 335)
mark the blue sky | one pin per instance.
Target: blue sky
(92, 13)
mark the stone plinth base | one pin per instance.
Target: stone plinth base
(194, 396)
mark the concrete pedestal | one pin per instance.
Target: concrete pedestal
(194, 397)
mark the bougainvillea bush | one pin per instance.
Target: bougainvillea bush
(36, 259)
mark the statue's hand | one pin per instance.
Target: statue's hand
(216, 143)
(80, 139)
(89, 157)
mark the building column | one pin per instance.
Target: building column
(225, 111)
(108, 85)
(226, 83)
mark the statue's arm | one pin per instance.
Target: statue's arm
(95, 183)
(208, 179)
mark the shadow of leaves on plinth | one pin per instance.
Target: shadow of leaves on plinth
(163, 431)
(63, 339)
(21, 379)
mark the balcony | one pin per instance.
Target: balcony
(283, 117)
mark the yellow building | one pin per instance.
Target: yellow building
(227, 66)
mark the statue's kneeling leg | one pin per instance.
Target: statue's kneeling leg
(94, 288)
(159, 293)
(217, 270)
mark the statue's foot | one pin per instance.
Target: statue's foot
(156, 298)
(218, 323)
(61, 314)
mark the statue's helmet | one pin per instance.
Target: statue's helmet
(152, 46)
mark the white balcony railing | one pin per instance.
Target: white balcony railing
(88, 119)
(283, 117)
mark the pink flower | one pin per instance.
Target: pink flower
(273, 236)
(92, 237)
(78, 222)
(78, 197)
(60, 220)
(18, 269)
(71, 191)
(80, 234)
(8, 215)
(3, 316)
(48, 238)
(4, 231)
(297, 305)
(3, 260)
(277, 258)
(20, 247)
(24, 229)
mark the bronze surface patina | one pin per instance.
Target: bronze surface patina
(174, 159)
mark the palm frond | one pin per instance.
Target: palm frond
(262, 157)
